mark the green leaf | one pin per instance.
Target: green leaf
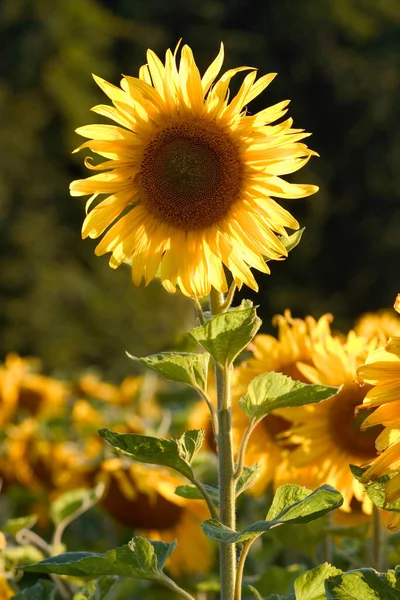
(376, 489)
(247, 478)
(292, 241)
(270, 391)
(12, 526)
(363, 583)
(311, 584)
(186, 367)
(141, 558)
(191, 492)
(41, 590)
(176, 454)
(75, 501)
(226, 335)
(309, 506)
(96, 589)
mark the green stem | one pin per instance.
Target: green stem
(206, 496)
(243, 447)
(213, 412)
(240, 568)
(377, 539)
(199, 310)
(327, 545)
(169, 583)
(229, 297)
(225, 466)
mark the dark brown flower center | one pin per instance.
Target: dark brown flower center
(144, 511)
(191, 174)
(345, 422)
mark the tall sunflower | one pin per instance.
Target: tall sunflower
(382, 370)
(189, 175)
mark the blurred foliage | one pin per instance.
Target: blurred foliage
(338, 60)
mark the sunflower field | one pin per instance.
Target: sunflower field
(217, 415)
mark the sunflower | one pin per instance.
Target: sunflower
(189, 176)
(25, 390)
(330, 435)
(294, 342)
(143, 498)
(380, 325)
(382, 370)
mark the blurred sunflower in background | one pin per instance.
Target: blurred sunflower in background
(329, 435)
(382, 371)
(142, 498)
(294, 342)
(25, 390)
(189, 175)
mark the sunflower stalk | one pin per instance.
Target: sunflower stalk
(226, 468)
(377, 539)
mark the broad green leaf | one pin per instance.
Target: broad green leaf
(226, 335)
(186, 367)
(270, 391)
(141, 558)
(12, 526)
(191, 492)
(96, 589)
(311, 584)
(41, 590)
(309, 507)
(376, 489)
(286, 496)
(176, 454)
(75, 501)
(365, 584)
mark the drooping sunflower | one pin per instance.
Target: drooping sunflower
(382, 370)
(143, 498)
(189, 175)
(294, 343)
(329, 435)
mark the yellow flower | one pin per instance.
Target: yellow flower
(266, 446)
(22, 388)
(380, 326)
(143, 498)
(329, 434)
(192, 175)
(382, 370)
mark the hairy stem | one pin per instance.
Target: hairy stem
(169, 583)
(225, 466)
(243, 447)
(207, 497)
(240, 568)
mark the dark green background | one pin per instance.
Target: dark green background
(339, 62)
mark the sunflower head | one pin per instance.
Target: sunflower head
(188, 182)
